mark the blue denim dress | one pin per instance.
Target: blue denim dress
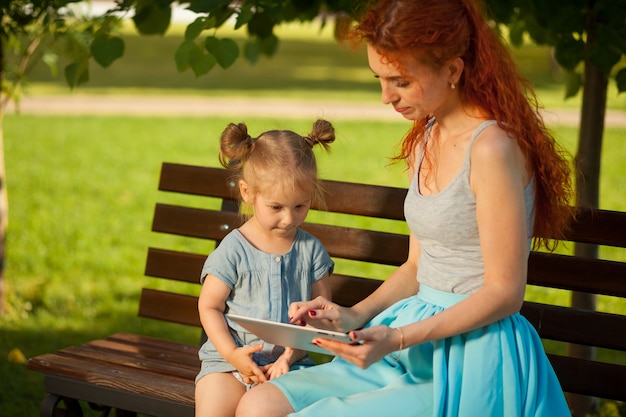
(263, 286)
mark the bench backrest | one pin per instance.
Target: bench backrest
(568, 272)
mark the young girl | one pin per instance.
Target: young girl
(261, 268)
(443, 336)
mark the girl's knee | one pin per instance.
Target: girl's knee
(246, 406)
(264, 400)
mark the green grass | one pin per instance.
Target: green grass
(82, 191)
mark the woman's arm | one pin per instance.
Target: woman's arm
(322, 313)
(498, 179)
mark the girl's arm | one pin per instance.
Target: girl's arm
(211, 307)
(320, 288)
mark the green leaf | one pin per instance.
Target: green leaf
(252, 51)
(195, 28)
(51, 60)
(604, 56)
(268, 45)
(202, 64)
(152, 18)
(189, 55)
(183, 54)
(106, 49)
(516, 34)
(260, 25)
(224, 50)
(77, 72)
(204, 6)
(620, 79)
(569, 52)
(244, 16)
(573, 82)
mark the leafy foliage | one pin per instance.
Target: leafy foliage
(578, 30)
(46, 29)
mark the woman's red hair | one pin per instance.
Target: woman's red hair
(434, 31)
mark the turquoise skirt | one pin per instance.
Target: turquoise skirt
(500, 370)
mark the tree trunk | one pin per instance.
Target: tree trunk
(4, 203)
(587, 192)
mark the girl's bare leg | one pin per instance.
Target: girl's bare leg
(264, 400)
(217, 395)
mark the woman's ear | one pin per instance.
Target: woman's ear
(244, 190)
(455, 69)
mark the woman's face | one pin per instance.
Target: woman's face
(415, 92)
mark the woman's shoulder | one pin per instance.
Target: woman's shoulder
(493, 142)
(495, 149)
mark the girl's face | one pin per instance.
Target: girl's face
(278, 211)
(415, 92)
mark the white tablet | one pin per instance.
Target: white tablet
(284, 334)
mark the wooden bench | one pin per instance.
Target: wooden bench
(133, 374)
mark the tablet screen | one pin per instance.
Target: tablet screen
(285, 334)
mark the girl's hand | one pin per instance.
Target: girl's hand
(373, 344)
(322, 314)
(283, 363)
(276, 369)
(241, 358)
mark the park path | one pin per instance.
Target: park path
(154, 105)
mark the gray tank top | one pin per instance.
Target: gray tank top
(445, 225)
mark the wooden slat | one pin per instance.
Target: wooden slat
(361, 245)
(342, 242)
(374, 200)
(595, 379)
(174, 265)
(579, 326)
(602, 227)
(184, 355)
(170, 307)
(577, 274)
(168, 347)
(115, 376)
(194, 222)
(197, 180)
(103, 357)
(349, 290)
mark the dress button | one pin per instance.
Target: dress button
(278, 259)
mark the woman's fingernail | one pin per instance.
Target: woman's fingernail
(312, 313)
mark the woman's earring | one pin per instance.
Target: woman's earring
(453, 86)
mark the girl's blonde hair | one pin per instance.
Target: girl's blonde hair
(276, 158)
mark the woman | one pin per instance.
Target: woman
(443, 335)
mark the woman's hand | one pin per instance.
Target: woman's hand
(323, 314)
(370, 346)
